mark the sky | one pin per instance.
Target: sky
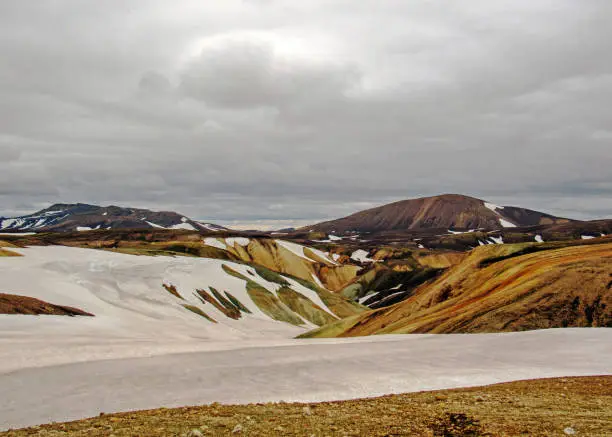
(265, 111)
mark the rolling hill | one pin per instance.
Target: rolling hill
(502, 288)
(64, 217)
(447, 211)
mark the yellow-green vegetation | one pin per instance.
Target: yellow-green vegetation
(4, 251)
(270, 305)
(544, 407)
(270, 275)
(237, 303)
(220, 303)
(172, 290)
(338, 304)
(304, 307)
(199, 312)
(227, 269)
(501, 288)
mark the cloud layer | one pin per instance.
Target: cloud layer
(269, 110)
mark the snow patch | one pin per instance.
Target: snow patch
(186, 226)
(493, 207)
(539, 239)
(154, 225)
(497, 240)
(361, 256)
(210, 241)
(83, 228)
(241, 241)
(587, 237)
(506, 223)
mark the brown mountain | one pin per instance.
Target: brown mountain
(447, 211)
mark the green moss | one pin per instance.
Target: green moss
(199, 312)
(304, 307)
(237, 303)
(223, 305)
(269, 304)
(233, 273)
(223, 300)
(270, 275)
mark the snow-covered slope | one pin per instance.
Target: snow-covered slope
(82, 217)
(144, 296)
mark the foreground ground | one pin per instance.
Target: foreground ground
(561, 406)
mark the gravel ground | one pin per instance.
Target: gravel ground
(579, 406)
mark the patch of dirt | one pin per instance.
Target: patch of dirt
(15, 304)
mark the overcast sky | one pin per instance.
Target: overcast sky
(301, 110)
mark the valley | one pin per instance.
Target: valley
(190, 315)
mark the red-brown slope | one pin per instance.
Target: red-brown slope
(15, 304)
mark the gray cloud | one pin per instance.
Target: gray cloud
(267, 110)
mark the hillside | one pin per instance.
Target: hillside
(216, 297)
(448, 211)
(83, 217)
(501, 288)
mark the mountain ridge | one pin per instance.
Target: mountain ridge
(446, 211)
(70, 217)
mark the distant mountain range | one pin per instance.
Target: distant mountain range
(447, 211)
(64, 217)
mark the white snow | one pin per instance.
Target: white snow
(83, 228)
(420, 246)
(493, 207)
(361, 256)
(210, 227)
(298, 250)
(154, 225)
(366, 297)
(334, 237)
(259, 370)
(184, 219)
(214, 242)
(506, 223)
(539, 239)
(241, 241)
(186, 226)
(587, 237)
(7, 223)
(125, 293)
(497, 240)
(18, 233)
(316, 280)
(105, 213)
(480, 243)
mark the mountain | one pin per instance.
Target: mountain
(447, 211)
(64, 217)
(504, 288)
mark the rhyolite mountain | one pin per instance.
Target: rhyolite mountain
(63, 217)
(447, 211)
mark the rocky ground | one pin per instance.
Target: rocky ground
(545, 407)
